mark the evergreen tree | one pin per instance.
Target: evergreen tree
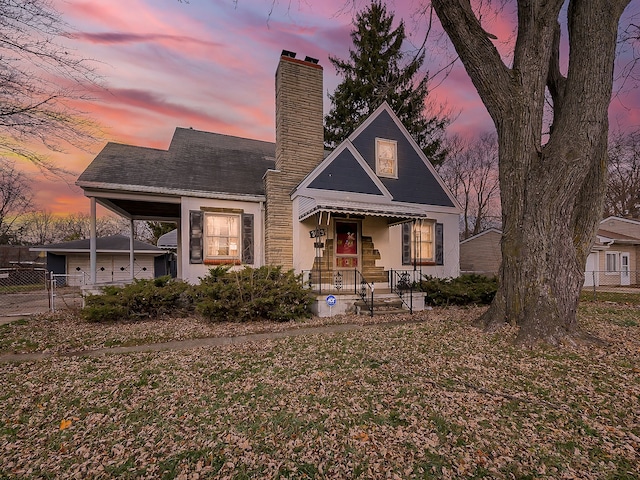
(374, 73)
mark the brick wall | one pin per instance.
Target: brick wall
(299, 149)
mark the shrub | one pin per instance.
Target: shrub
(251, 294)
(139, 300)
(465, 290)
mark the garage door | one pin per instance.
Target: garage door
(111, 268)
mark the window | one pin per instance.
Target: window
(611, 264)
(386, 158)
(422, 243)
(222, 236)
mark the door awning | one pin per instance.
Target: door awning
(394, 213)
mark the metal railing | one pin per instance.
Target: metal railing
(403, 283)
(366, 292)
(340, 281)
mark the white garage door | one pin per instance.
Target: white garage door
(111, 268)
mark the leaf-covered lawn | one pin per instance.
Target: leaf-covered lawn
(436, 399)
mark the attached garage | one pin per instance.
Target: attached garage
(72, 259)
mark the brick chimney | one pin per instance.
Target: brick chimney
(299, 149)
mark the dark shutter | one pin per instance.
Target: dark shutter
(406, 243)
(196, 225)
(247, 238)
(439, 244)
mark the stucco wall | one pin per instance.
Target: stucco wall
(193, 272)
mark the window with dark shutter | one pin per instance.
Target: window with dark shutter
(247, 239)
(195, 236)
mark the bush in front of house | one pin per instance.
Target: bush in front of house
(141, 299)
(265, 293)
(469, 289)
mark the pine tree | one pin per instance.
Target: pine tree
(375, 73)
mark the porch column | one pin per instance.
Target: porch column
(92, 243)
(179, 258)
(131, 252)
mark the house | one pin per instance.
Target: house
(614, 259)
(72, 260)
(480, 254)
(372, 206)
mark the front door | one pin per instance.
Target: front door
(347, 244)
(625, 277)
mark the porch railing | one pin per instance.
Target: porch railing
(403, 283)
(341, 281)
(366, 292)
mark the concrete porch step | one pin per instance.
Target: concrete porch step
(383, 306)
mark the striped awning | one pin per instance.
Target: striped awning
(395, 213)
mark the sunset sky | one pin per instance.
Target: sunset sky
(210, 65)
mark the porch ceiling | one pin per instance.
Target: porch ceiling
(140, 207)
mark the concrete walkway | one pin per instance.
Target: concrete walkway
(197, 342)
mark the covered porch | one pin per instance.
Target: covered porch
(132, 206)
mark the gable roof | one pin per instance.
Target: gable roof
(492, 231)
(110, 244)
(169, 239)
(607, 236)
(346, 180)
(200, 163)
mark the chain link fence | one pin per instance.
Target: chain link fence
(28, 291)
(23, 291)
(621, 281)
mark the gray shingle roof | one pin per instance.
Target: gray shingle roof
(111, 243)
(195, 161)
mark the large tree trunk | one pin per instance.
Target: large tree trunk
(552, 193)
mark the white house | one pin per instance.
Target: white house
(373, 205)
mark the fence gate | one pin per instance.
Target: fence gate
(23, 291)
(65, 291)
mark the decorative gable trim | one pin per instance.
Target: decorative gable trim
(304, 188)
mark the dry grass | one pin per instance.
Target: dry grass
(436, 399)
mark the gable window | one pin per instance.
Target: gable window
(422, 243)
(222, 236)
(611, 263)
(386, 158)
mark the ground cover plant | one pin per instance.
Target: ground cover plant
(431, 399)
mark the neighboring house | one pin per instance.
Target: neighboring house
(72, 259)
(614, 259)
(617, 260)
(373, 204)
(481, 253)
